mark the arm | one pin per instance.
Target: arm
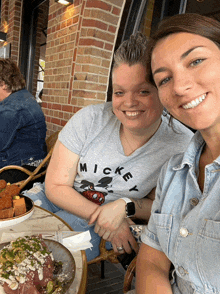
(110, 216)
(59, 181)
(143, 206)
(152, 271)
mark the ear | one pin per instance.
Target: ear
(4, 87)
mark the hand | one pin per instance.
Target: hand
(124, 238)
(108, 217)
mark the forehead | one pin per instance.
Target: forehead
(126, 72)
(177, 44)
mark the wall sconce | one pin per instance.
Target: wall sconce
(3, 36)
(65, 2)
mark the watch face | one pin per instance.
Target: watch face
(130, 209)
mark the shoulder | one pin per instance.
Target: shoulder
(98, 114)
(175, 131)
(22, 99)
(23, 95)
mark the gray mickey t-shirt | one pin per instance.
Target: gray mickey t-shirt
(93, 134)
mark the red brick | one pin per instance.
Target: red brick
(77, 109)
(94, 23)
(67, 108)
(55, 121)
(56, 106)
(108, 47)
(116, 11)
(63, 122)
(98, 4)
(91, 42)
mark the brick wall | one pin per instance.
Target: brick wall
(11, 24)
(80, 44)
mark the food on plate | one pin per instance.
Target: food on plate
(27, 266)
(3, 184)
(19, 205)
(11, 204)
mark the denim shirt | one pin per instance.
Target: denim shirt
(185, 223)
(22, 130)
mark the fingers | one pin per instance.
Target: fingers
(117, 249)
(106, 235)
(125, 244)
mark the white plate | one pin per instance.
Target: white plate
(18, 219)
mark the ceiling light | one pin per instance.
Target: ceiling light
(65, 2)
(3, 36)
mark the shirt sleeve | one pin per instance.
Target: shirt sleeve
(75, 133)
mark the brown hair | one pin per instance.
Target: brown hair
(10, 75)
(189, 23)
(132, 51)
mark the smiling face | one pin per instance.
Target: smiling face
(135, 102)
(186, 70)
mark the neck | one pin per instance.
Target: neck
(212, 148)
(133, 140)
(4, 95)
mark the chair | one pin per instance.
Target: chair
(129, 275)
(37, 173)
(105, 254)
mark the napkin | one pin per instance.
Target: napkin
(72, 240)
(78, 242)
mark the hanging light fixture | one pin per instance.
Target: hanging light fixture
(3, 36)
(65, 2)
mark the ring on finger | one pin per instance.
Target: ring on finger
(120, 248)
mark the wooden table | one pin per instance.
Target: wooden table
(43, 220)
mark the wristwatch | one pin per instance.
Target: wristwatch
(129, 207)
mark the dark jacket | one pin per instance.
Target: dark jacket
(22, 130)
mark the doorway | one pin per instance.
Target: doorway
(33, 43)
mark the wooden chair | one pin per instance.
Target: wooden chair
(129, 275)
(37, 173)
(105, 254)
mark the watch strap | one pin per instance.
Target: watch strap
(127, 200)
(129, 207)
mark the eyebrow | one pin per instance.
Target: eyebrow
(184, 55)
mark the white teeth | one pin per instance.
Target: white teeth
(195, 102)
(131, 113)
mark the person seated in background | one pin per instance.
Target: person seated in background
(108, 156)
(184, 227)
(22, 124)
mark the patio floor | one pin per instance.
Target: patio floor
(111, 284)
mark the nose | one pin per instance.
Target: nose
(182, 83)
(130, 100)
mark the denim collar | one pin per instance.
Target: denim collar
(196, 144)
(194, 148)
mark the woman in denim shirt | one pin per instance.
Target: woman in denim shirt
(184, 228)
(22, 122)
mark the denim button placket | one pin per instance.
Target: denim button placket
(194, 201)
(184, 232)
(181, 271)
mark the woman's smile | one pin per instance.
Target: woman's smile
(195, 102)
(133, 114)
